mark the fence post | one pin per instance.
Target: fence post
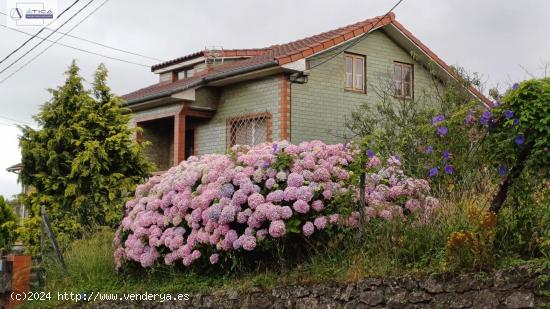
(46, 225)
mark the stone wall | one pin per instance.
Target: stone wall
(502, 289)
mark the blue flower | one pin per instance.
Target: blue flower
(437, 119)
(515, 86)
(370, 153)
(442, 131)
(429, 149)
(502, 170)
(446, 155)
(433, 172)
(516, 121)
(497, 103)
(520, 139)
(508, 114)
(448, 169)
(485, 118)
(274, 148)
(265, 164)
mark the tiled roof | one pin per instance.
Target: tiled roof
(225, 53)
(280, 55)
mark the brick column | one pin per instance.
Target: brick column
(179, 134)
(284, 108)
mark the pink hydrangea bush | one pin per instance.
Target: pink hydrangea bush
(206, 207)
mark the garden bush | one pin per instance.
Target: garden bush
(8, 225)
(207, 208)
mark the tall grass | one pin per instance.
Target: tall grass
(384, 247)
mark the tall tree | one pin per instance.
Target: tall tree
(83, 161)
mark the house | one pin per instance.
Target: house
(210, 100)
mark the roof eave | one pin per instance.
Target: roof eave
(201, 81)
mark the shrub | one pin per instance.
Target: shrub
(82, 162)
(8, 225)
(208, 207)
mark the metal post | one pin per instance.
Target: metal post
(49, 231)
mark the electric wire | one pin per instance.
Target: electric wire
(38, 32)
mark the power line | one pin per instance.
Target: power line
(359, 39)
(15, 120)
(42, 41)
(38, 32)
(99, 44)
(57, 42)
(78, 48)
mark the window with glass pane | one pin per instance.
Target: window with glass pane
(248, 131)
(403, 80)
(359, 73)
(349, 72)
(186, 73)
(354, 72)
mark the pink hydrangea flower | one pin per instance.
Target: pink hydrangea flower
(320, 223)
(301, 206)
(308, 229)
(214, 258)
(277, 228)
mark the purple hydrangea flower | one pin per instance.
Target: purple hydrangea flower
(470, 119)
(227, 190)
(442, 131)
(437, 119)
(520, 139)
(370, 153)
(274, 148)
(448, 169)
(433, 172)
(508, 114)
(502, 170)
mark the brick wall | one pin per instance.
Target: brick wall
(319, 107)
(250, 97)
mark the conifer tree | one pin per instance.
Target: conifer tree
(8, 225)
(83, 161)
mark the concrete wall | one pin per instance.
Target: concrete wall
(250, 97)
(319, 107)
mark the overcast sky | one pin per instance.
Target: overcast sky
(501, 39)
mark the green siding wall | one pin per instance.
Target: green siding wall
(250, 97)
(319, 107)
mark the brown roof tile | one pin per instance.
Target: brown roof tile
(280, 55)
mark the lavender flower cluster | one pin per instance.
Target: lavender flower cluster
(218, 203)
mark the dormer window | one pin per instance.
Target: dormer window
(185, 73)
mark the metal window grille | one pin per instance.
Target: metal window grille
(248, 130)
